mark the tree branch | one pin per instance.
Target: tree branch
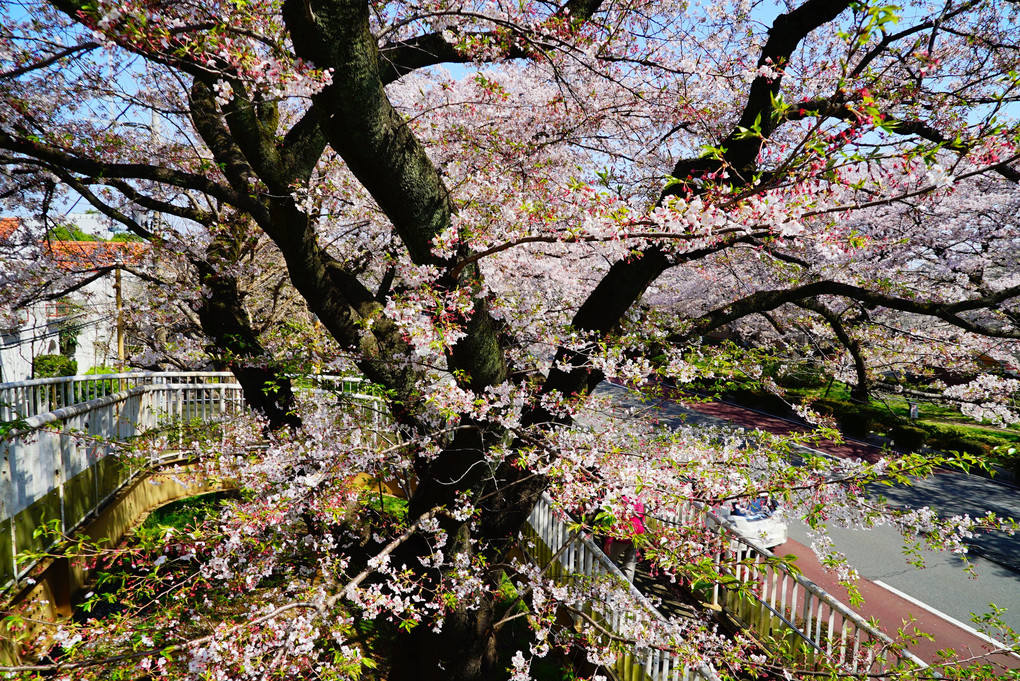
(139, 171)
(52, 59)
(786, 34)
(860, 392)
(763, 301)
(402, 57)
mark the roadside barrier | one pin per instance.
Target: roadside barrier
(788, 611)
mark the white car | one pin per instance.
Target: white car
(760, 521)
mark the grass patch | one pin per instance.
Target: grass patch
(938, 426)
(183, 515)
(386, 505)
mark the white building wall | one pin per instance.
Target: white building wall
(97, 337)
(94, 313)
(35, 336)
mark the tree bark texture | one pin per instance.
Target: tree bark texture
(235, 344)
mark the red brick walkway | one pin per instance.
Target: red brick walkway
(894, 612)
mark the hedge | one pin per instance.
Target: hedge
(49, 366)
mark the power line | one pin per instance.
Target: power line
(49, 331)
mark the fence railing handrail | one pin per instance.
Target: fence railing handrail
(808, 585)
(39, 420)
(63, 413)
(24, 399)
(82, 378)
(55, 458)
(728, 528)
(555, 533)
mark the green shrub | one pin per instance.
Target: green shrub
(386, 504)
(125, 237)
(855, 421)
(99, 388)
(804, 376)
(908, 438)
(756, 399)
(827, 406)
(183, 514)
(949, 438)
(68, 335)
(990, 439)
(945, 438)
(965, 445)
(50, 366)
(69, 232)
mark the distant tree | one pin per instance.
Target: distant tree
(126, 237)
(68, 232)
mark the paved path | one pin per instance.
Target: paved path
(956, 493)
(895, 610)
(750, 418)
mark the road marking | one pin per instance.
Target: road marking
(955, 622)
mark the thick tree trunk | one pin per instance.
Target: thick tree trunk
(238, 349)
(859, 393)
(464, 650)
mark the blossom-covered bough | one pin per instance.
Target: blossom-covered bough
(590, 187)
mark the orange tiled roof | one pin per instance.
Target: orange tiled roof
(8, 226)
(85, 255)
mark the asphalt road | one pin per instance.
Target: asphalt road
(942, 584)
(925, 632)
(877, 554)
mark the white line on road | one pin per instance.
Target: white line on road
(955, 622)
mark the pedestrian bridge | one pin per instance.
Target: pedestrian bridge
(58, 438)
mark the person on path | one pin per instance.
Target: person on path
(623, 552)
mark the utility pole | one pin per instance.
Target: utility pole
(119, 298)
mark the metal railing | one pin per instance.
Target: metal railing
(57, 468)
(576, 555)
(785, 609)
(58, 435)
(25, 399)
(57, 465)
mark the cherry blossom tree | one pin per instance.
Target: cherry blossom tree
(493, 207)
